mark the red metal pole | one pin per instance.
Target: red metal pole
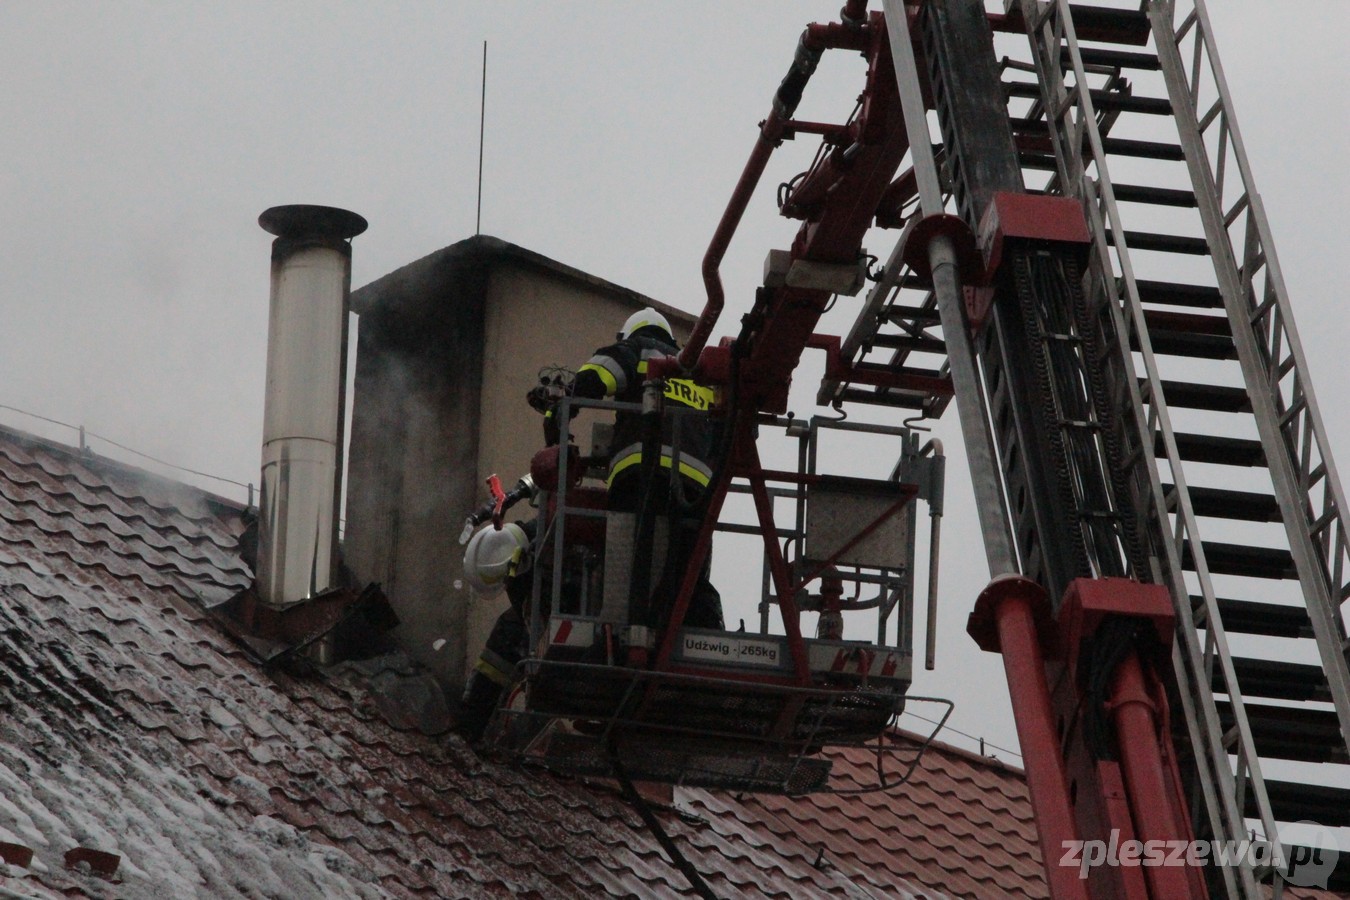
(1010, 604)
(851, 35)
(769, 134)
(782, 579)
(703, 543)
(1155, 815)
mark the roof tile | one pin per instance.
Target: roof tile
(128, 724)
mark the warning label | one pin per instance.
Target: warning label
(730, 650)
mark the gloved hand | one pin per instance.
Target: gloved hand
(552, 433)
(540, 398)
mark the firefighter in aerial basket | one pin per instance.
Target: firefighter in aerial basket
(493, 560)
(619, 372)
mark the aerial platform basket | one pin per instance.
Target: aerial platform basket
(727, 714)
(696, 730)
(604, 690)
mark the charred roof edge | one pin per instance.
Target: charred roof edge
(486, 250)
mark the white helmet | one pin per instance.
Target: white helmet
(641, 319)
(493, 556)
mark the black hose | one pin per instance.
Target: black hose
(640, 576)
(1112, 642)
(678, 859)
(790, 90)
(721, 462)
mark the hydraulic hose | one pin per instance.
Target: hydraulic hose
(640, 576)
(785, 101)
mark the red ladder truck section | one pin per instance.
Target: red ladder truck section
(1040, 295)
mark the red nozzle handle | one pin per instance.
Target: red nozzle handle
(499, 497)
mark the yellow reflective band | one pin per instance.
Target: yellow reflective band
(688, 471)
(493, 673)
(621, 465)
(684, 391)
(611, 386)
(642, 367)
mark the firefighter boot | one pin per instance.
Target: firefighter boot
(493, 674)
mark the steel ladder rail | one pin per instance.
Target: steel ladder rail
(1221, 788)
(1050, 28)
(1269, 349)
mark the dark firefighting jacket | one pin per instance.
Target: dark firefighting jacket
(618, 371)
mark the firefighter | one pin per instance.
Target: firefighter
(619, 372)
(493, 560)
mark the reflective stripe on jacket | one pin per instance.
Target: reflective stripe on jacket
(690, 467)
(619, 371)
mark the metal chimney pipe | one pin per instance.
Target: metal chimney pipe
(305, 403)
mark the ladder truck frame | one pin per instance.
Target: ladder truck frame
(1104, 603)
(1138, 718)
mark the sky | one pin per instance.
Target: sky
(141, 141)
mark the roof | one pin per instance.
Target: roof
(131, 726)
(961, 825)
(401, 288)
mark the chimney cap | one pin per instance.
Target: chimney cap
(303, 220)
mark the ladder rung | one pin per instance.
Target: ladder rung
(1022, 89)
(1221, 503)
(1292, 802)
(1035, 149)
(901, 314)
(1138, 193)
(1118, 59)
(1176, 342)
(1143, 149)
(1103, 100)
(1269, 619)
(1168, 294)
(1224, 451)
(1163, 243)
(909, 343)
(1041, 162)
(892, 398)
(1213, 397)
(1189, 323)
(1191, 346)
(1277, 680)
(1285, 732)
(1115, 101)
(914, 281)
(1029, 126)
(1238, 559)
(1110, 26)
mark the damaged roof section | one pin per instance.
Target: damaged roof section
(135, 728)
(144, 752)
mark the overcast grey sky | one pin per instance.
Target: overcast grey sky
(141, 140)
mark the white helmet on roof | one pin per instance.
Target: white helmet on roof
(641, 319)
(494, 556)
